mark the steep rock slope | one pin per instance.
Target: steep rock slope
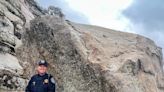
(14, 16)
(82, 58)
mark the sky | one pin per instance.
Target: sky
(144, 17)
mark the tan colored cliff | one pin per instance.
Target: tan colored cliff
(83, 58)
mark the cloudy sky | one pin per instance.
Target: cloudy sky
(144, 17)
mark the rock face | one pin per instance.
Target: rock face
(82, 58)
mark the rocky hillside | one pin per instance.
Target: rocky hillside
(82, 58)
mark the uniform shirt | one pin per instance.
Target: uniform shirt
(38, 83)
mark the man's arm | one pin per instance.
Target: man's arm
(52, 86)
(28, 88)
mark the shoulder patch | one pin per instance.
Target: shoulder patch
(33, 83)
(52, 80)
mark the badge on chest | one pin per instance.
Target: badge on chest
(45, 81)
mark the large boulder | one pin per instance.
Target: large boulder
(93, 59)
(15, 16)
(83, 58)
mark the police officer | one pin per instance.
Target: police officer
(41, 82)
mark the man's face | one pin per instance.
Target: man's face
(41, 69)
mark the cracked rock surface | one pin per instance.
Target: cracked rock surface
(82, 58)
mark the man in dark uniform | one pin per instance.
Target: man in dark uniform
(41, 82)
